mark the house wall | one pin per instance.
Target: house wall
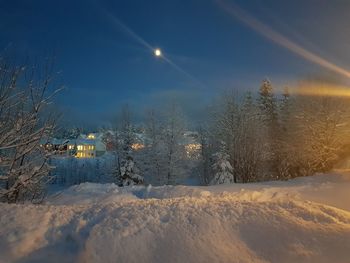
(86, 151)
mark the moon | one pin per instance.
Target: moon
(157, 52)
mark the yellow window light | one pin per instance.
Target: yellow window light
(137, 146)
(91, 136)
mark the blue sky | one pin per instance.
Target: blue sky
(103, 66)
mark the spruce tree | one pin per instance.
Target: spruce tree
(285, 109)
(269, 117)
(268, 105)
(223, 171)
(129, 173)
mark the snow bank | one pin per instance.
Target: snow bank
(270, 222)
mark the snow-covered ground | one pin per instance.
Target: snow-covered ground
(302, 220)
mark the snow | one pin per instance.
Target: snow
(302, 220)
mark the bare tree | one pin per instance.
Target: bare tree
(24, 123)
(238, 126)
(172, 134)
(322, 127)
(271, 131)
(206, 153)
(225, 126)
(249, 148)
(152, 154)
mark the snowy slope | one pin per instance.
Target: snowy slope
(303, 220)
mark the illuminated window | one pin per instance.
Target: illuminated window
(80, 147)
(137, 146)
(91, 136)
(192, 149)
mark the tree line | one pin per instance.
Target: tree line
(260, 136)
(272, 137)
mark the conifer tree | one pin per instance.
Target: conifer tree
(223, 171)
(285, 109)
(129, 173)
(269, 117)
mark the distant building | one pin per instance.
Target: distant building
(96, 144)
(58, 146)
(82, 148)
(85, 146)
(88, 146)
(192, 146)
(108, 139)
(139, 142)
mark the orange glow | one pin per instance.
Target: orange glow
(137, 146)
(192, 149)
(321, 89)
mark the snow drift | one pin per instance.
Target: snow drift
(267, 222)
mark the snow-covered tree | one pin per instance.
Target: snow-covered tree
(163, 159)
(64, 133)
(152, 156)
(225, 125)
(206, 142)
(285, 110)
(268, 105)
(129, 173)
(172, 135)
(126, 131)
(24, 124)
(314, 130)
(270, 129)
(270, 139)
(284, 152)
(249, 153)
(223, 171)
(321, 127)
(238, 125)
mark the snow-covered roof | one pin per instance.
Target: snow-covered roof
(97, 135)
(82, 142)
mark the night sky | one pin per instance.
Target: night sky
(103, 65)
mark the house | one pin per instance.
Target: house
(82, 148)
(108, 138)
(57, 146)
(139, 142)
(192, 146)
(85, 146)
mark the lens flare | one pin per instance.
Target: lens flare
(321, 90)
(278, 38)
(157, 52)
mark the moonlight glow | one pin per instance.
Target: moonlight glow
(157, 52)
